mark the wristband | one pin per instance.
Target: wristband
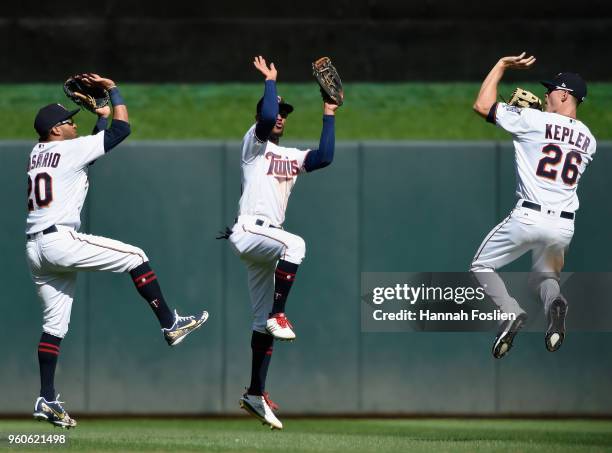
(115, 97)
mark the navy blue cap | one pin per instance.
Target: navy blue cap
(570, 82)
(50, 115)
(283, 107)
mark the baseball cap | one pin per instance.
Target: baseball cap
(570, 82)
(50, 115)
(282, 106)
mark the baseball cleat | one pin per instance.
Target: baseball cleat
(261, 406)
(53, 412)
(183, 326)
(505, 336)
(556, 324)
(279, 327)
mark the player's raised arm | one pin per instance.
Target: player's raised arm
(487, 96)
(120, 127)
(269, 109)
(103, 115)
(324, 155)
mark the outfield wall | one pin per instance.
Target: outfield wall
(381, 206)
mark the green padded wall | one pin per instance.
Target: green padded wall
(381, 206)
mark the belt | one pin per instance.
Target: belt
(260, 222)
(537, 207)
(51, 229)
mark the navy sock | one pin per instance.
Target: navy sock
(148, 287)
(261, 345)
(283, 280)
(48, 352)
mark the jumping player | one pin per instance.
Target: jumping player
(552, 151)
(56, 251)
(271, 254)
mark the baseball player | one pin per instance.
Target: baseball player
(57, 186)
(271, 254)
(552, 150)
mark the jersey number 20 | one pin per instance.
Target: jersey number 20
(569, 172)
(43, 191)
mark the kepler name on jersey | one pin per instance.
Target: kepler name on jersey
(566, 134)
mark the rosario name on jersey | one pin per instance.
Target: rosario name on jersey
(552, 152)
(269, 172)
(57, 181)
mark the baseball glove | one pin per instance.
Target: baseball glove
(523, 98)
(329, 80)
(87, 96)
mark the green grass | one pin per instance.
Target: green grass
(328, 435)
(224, 111)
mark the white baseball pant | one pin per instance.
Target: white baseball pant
(54, 260)
(260, 246)
(543, 233)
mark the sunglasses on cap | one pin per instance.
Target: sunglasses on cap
(69, 121)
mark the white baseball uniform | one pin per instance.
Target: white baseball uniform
(552, 152)
(269, 172)
(57, 188)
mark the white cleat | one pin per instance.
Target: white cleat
(259, 406)
(279, 327)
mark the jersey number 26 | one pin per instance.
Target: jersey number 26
(569, 172)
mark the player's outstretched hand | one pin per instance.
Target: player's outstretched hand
(330, 108)
(519, 62)
(92, 79)
(269, 72)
